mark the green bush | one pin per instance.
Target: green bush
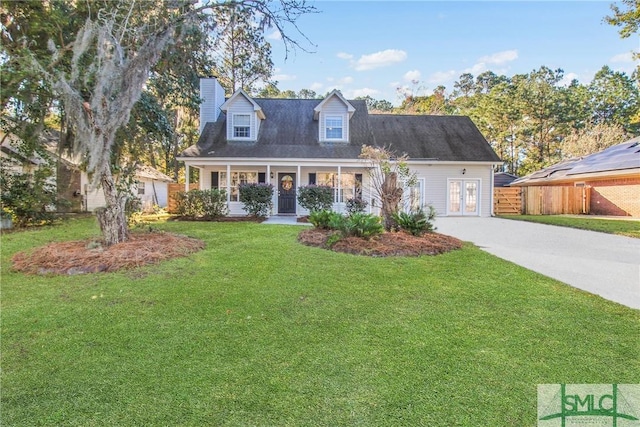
(30, 198)
(356, 205)
(362, 225)
(201, 203)
(315, 198)
(357, 224)
(416, 223)
(320, 219)
(257, 199)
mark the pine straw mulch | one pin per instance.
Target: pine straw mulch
(89, 256)
(387, 244)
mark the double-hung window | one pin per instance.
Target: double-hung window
(241, 126)
(414, 196)
(333, 127)
(350, 185)
(237, 178)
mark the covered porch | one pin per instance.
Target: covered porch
(348, 180)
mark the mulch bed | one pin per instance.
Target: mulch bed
(386, 244)
(89, 256)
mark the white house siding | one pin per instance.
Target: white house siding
(93, 199)
(213, 97)
(241, 105)
(155, 193)
(334, 107)
(437, 176)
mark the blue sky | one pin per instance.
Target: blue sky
(375, 47)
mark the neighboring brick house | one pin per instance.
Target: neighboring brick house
(295, 142)
(613, 176)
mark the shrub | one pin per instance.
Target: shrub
(362, 225)
(315, 198)
(356, 205)
(201, 203)
(31, 198)
(320, 219)
(257, 199)
(416, 223)
(358, 224)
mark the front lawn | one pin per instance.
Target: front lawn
(630, 228)
(259, 330)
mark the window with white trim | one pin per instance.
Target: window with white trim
(413, 196)
(140, 186)
(241, 126)
(237, 178)
(350, 185)
(333, 127)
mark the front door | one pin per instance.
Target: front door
(464, 197)
(286, 193)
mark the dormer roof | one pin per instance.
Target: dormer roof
(336, 93)
(240, 92)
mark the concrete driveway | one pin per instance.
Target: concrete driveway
(599, 263)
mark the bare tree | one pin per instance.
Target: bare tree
(388, 174)
(110, 61)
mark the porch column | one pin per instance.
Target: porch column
(339, 188)
(186, 177)
(268, 177)
(229, 188)
(297, 186)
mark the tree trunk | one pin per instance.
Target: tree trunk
(391, 196)
(112, 218)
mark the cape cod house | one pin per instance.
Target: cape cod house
(295, 142)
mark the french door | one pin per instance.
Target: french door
(464, 197)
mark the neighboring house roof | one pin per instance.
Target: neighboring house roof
(147, 172)
(621, 159)
(290, 132)
(503, 179)
(11, 151)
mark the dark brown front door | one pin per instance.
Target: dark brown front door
(286, 193)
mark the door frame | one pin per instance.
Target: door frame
(279, 177)
(463, 182)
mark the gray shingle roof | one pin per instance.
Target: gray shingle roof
(290, 132)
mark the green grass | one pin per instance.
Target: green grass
(630, 228)
(258, 330)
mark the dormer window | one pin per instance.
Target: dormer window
(333, 127)
(241, 126)
(333, 114)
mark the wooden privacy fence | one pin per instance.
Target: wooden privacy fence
(556, 200)
(173, 189)
(507, 201)
(551, 200)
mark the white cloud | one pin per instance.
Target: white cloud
(343, 55)
(566, 80)
(413, 75)
(316, 86)
(383, 58)
(345, 80)
(441, 77)
(361, 92)
(622, 57)
(284, 77)
(275, 35)
(500, 58)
